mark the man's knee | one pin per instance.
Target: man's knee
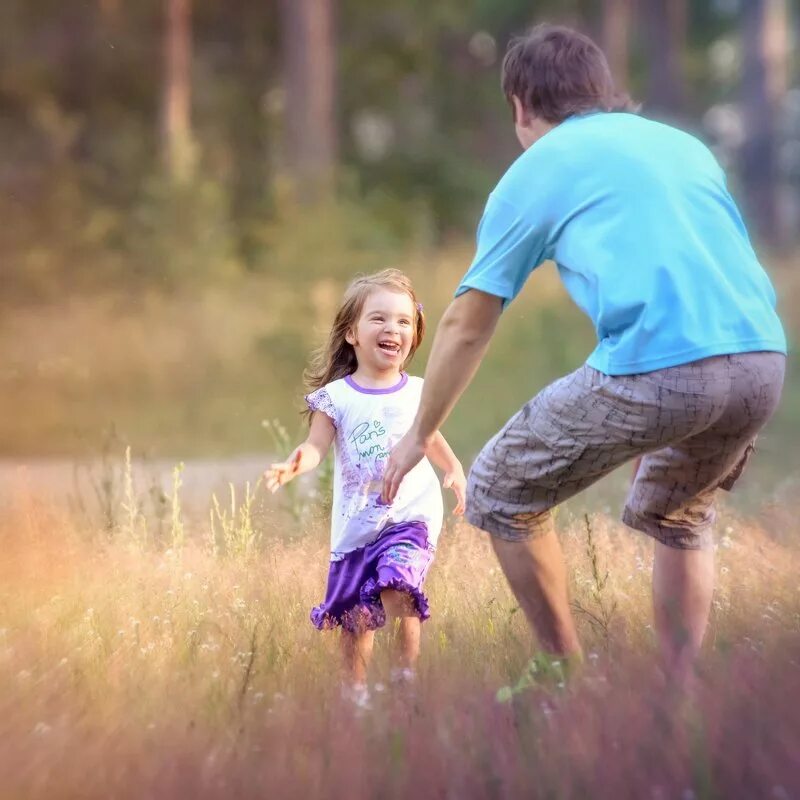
(510, 526)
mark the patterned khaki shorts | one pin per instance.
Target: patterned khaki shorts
(693, 424)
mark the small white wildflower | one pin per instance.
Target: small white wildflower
(380, 687)
(187, 576)
(63, 662)
(277, 697)
(156, 619)
(724, 570)
(41, 729)
(258, 697)
(729, 530)
(215, 674)
(725, 541)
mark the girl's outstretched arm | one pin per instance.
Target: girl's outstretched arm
(306, 456)
(442, 456)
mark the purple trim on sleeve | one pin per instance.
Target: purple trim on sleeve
(320, 400)
(396, 388)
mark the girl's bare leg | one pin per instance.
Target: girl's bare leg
(405, 622)
(356, 655)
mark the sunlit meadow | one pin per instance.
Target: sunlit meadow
(169, 654)
(154, 633)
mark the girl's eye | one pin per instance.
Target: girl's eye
(405, 322)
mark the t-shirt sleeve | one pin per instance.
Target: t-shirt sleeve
(320, 400)
(510, 246)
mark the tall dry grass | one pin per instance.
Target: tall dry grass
(134, 670)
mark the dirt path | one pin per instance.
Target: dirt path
(61, 480)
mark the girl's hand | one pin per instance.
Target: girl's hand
(279, 474)
(457, 481)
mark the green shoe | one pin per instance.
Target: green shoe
(543, 671)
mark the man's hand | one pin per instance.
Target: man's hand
(408, 452)
(458, 347)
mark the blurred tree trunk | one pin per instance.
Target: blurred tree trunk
(309, 67)
(109, 10)
(763, 82)
(616, 24)
(776, 49)
(665, 30)
(176, 130)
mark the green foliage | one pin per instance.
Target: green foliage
(182, 233)
(335, 238)
(84, 200)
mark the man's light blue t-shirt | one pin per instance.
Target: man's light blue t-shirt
(646, 237)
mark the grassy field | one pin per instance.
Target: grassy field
(183, 665)
(156, 643)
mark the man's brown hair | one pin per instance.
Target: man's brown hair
(557, 72)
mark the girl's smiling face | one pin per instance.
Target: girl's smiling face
(384, 334)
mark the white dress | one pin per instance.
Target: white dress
(369, 423)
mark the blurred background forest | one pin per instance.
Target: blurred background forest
(187, 185)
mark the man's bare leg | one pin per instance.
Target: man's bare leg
(683, 586)
(537, 575)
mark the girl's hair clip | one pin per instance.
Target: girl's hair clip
(420, 307)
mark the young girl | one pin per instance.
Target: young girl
(363, 402)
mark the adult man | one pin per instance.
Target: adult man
(690, 356)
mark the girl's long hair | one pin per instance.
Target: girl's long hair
(337, 358)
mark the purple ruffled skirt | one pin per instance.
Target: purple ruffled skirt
(399, 559)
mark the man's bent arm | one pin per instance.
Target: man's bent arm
(461, 341)
(458, 348)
